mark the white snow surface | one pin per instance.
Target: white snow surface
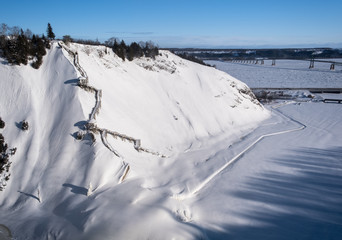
(183, 110)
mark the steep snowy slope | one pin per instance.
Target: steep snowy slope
(173, 106)
(168, 101)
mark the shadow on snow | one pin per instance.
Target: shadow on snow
(310, 200)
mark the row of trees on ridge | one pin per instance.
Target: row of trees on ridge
(134, 50)
(120, 48)
(19, 47)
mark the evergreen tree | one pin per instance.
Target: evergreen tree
(11, 51)
(38, 51)
(115, 46)
(134, 51)
(130, 53)
(46, 42)
(123, 49)
(49, 32)
(23, 48)
(120, 49)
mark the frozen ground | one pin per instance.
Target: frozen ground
(285, 74)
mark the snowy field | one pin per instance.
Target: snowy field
(285, 74)
(288, 186)
(233, 169)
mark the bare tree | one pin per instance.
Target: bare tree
(15, 31)
(3, 29)
(28, 33)
(110, 42)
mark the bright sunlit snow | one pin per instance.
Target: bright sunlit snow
(68, 189)
(213, 163)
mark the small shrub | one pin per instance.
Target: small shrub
(24, 125)
(101, 54)
(13, 150)
(79, 135)
(5, 164)
(2, 123)
(37, 63)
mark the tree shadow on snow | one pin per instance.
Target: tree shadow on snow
(76, 189)
(87, 139)
(81, 124)
(19, 124)
(29, 195)
(308, 201)
(73, 82)
(75, 213)
(4, 62)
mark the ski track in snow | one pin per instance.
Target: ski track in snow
(91, 126)
(200, 186)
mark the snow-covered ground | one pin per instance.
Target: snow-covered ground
(233, 170)
(285, 74)
(288, 186)
(180, 109)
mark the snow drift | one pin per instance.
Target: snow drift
(173, 106)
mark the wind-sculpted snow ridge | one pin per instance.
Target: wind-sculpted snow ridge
(91, 126)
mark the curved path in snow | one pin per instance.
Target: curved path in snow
(201, 185)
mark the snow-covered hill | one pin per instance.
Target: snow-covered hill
(175, 107)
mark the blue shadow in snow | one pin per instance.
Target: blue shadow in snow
(311, 199)
(73, 82)
(76, 189)
(29, 195)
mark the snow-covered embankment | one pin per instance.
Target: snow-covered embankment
(172, 105)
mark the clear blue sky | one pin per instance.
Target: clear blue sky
(185, 23)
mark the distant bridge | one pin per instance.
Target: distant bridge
(312, 90)
(262, 61)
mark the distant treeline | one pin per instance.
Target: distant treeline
(18, 46)
(251, 54)
(120, 48)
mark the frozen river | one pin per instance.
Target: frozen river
(285, 74)
(287, 186)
